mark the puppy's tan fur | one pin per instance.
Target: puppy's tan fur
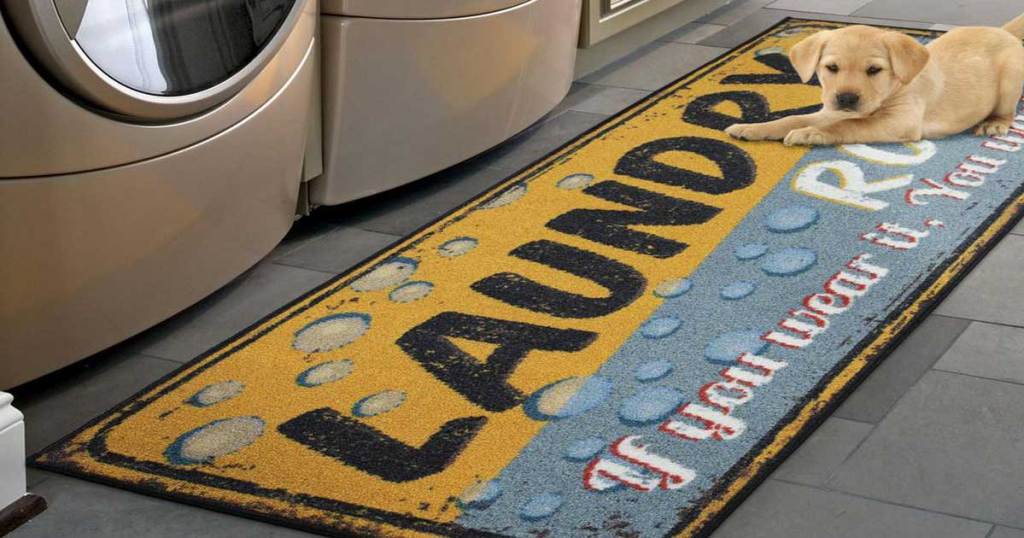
(969, 77)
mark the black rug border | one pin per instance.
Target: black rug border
(523, 175)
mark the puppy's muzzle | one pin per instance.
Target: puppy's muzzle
(848, 101)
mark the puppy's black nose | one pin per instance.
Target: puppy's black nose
(847, 100)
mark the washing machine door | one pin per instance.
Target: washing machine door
(152, 60)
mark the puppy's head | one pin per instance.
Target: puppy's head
(859, 66)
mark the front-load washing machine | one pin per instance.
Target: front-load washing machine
(414, 86)
(150, 151)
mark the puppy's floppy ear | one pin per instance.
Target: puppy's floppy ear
(806, 54)
(907, 56)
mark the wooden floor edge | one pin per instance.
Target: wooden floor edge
(20, 511)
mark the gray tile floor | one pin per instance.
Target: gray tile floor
(932, 444)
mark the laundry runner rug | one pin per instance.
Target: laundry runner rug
(622, 340)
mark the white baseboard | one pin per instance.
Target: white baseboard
(12, 452)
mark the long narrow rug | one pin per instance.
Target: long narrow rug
(622, 340)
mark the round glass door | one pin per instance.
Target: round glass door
(172, 47)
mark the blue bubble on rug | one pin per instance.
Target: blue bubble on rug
(727, 347)
(751, 251)
(789, 262)
(378, 404)
(584, 449)
(648, 406)
(331, 332)
(480, 495)
(568, 398)
(737, 290)
(660, 326)
(791, 219)
(216, 393)
(218, 438)
(671, 289)
(457, 247)
(541, 506)
(411, 291)
(653, 370)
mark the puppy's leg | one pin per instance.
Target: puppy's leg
(895, 127)
(773, 130)
(1011, 80)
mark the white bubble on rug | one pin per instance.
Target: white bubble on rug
(791, 219)
(575, 181)
(651, 405)
(769, 51)
(386, 275)
(216, 393)
(660, 327)
(727, 347)
(585, 449)
(789, 262)
(510, 195)
(675, 287)
(737, 290)
(653, 371)
(327, 372)
(480, 495)
(457, 247)
(568, 398)
(379, 403)
(540, 507)
(216, 439)
(331, 332)
(411, 291)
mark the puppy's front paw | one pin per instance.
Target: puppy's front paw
(748, 131)
(807, 136)
(993, 127)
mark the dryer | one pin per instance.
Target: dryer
(412, 87)
(150, 151)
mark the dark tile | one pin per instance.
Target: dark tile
(781, 510)
(336, 250)
(985, 350)
(82, 509)
(972, 13)
(597, 99)
(822, 453)
(763, 19)
(539, 140)
(242, 302)
(835, 7)
(693, 33)
(733, 12)
(901, 369)
(951, 445)
(654, 66)
(59, 403)
(994, 290)
(1004, 532)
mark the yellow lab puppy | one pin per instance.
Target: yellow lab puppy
(884, 86)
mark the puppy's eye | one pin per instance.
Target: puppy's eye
(874, 70)
(832, 68)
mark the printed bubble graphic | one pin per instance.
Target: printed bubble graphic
(480, 495)
(726, 348)
(789, 262)
(568, 398)
(218, 438)
(216, 393)
(673, 288)
(751, 251)
(584, 449)
(379, 403)
(660, 326)
(792, 219)
(650, 405)
(386, 275)
(540, 507)
(331, 332)
(737, 290)
(653, 370)
(457, 247)
(575, 181)
(409, 292)
(327, 372)
(508, 197)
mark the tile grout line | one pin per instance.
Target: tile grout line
(972, 320)
(980, 377)
(892, 503)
